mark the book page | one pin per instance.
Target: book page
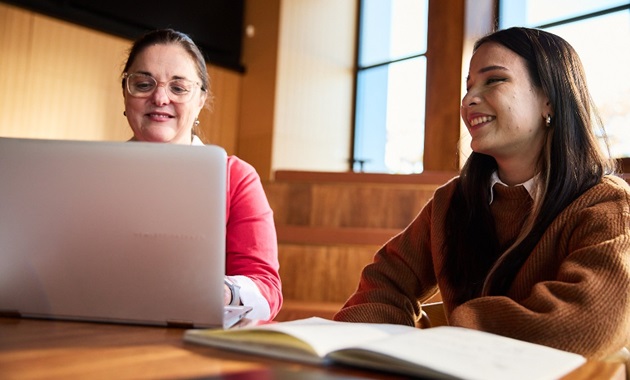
(462, 353)
(265, 342)
(314, 337)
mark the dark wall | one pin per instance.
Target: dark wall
(215, 25)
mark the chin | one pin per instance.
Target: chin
(163, 136)
(155, 139)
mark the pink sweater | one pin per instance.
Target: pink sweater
(251, 242)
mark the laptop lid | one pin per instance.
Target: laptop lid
(113, 232)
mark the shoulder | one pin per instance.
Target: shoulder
(440, 202)
(611, 188)
(610, 196)
(615, 183)
(242, 176)
(240, 168)
(446, 190)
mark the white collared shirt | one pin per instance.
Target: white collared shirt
(528, 185)
(196, 141)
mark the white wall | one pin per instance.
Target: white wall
(313, 109)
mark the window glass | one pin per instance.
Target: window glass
(391, 86)
(604, 50)
(371, 112)
(390, 118)
(541, 12)
(606, 62)
(392, 30)
(404, 146)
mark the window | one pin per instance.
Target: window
(390, 86)
(600, 33)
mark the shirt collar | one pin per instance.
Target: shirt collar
(528, 185)
(196, 141)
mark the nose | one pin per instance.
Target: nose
(160, 95)
(470, 99)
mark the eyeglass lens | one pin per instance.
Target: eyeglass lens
(142, 86)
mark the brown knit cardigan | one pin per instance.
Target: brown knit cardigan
(572, 293)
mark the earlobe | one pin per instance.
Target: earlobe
(547, 111)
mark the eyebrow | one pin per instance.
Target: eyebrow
(151, 75)
(488, 68)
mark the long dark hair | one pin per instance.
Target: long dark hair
(571, 162)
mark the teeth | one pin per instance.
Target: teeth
(481, 119)
(157, 115)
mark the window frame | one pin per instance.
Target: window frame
(453, 26)
(357, 71)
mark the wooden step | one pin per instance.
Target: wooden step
(349, 200)
(334, 236)
(322, 273)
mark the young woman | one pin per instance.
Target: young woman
(532, 239)
(165, 86)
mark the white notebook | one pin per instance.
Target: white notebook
(122, 232)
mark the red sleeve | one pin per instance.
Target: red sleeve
(251, 241)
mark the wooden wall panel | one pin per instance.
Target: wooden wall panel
(343, 205)
(258, 91)
(444, 67)
(14, 69)
(290, 202)
(61, 79)
(219, 121)
(322, 273)
(367, 206)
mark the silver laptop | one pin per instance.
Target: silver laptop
(113, 232)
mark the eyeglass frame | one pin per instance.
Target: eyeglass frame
(169, 93)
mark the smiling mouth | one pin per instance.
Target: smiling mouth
(481, 119)
(159, 116)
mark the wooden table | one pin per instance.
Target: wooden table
(42, 349)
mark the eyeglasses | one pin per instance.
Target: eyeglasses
(143, 86)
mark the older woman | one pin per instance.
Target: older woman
(165, 86)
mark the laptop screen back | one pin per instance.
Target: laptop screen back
(115, 232)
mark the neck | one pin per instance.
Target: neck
(515, 172)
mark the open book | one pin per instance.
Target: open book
(441, 352)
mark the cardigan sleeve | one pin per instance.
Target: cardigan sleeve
(402, 274)
(251, 242)
(582, 304)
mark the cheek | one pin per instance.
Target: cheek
(134, 111)
(132, 106)
(186, 114)
(190, 110)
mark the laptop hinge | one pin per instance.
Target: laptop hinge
(10, 314)
(179, 324)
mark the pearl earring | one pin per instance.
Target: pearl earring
(196, 123)
(548, 121)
